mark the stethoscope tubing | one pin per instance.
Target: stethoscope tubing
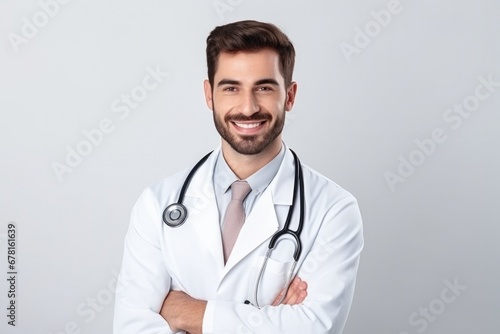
(275, 239)
(175, 215)
(190, 177)
(299, 180)
(261, 273)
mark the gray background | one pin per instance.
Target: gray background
(356, 116)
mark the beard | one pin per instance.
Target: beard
(249, 145)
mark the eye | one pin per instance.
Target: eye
(230, 89)
(265, 89)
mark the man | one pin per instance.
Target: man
(202, 276)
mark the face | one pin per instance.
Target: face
(249, 101)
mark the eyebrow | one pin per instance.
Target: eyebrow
(269, 81)
(228, 82)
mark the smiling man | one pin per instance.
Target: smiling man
(208, 273)
(249, 101)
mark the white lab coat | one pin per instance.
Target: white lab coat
(158, 258)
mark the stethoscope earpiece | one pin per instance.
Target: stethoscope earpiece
(175, 215)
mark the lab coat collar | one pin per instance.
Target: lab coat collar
(282, 184)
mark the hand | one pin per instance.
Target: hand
(296, 294)
(183, 312)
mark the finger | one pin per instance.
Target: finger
(297, 293)
(302, 286)
(301, 292)
(301, 297)
(278, 298)
(294, 297)
(288, 294)
(293, 292)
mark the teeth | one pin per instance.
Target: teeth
(247, 125)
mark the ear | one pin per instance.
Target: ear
(290, 96)
(208, 94)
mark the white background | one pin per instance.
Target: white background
(357, 115)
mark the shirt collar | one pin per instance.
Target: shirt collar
(258, 181)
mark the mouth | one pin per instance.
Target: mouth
(248, 127)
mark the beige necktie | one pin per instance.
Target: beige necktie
(235, 216)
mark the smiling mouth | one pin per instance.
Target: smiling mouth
(248, 125)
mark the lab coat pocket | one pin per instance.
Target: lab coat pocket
(272, 281)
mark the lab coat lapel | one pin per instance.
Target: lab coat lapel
(258, 227)
(203, 213)
(262, 222)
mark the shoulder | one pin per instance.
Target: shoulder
(322, 188)
(168, 189)
(164, 190)
(333, 208)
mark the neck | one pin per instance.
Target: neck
(244, 165)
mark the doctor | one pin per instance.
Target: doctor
(189, 278)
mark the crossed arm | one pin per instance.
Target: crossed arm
(183, 312)
(329, 268)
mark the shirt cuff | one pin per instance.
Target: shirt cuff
(208, 318)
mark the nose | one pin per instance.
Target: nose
(248, 104)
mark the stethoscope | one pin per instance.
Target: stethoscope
(175, 215)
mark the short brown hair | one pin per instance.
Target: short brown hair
(250, 36)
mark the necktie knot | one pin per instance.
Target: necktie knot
(240, 190)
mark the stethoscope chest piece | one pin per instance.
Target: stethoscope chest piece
(175, 215)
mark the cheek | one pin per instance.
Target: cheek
(223, 102)
(275, 106)
(272, 101)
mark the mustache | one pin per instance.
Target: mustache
(259, 116)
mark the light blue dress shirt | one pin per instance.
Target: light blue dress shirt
(223, 177)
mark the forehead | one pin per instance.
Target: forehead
(248, 65)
